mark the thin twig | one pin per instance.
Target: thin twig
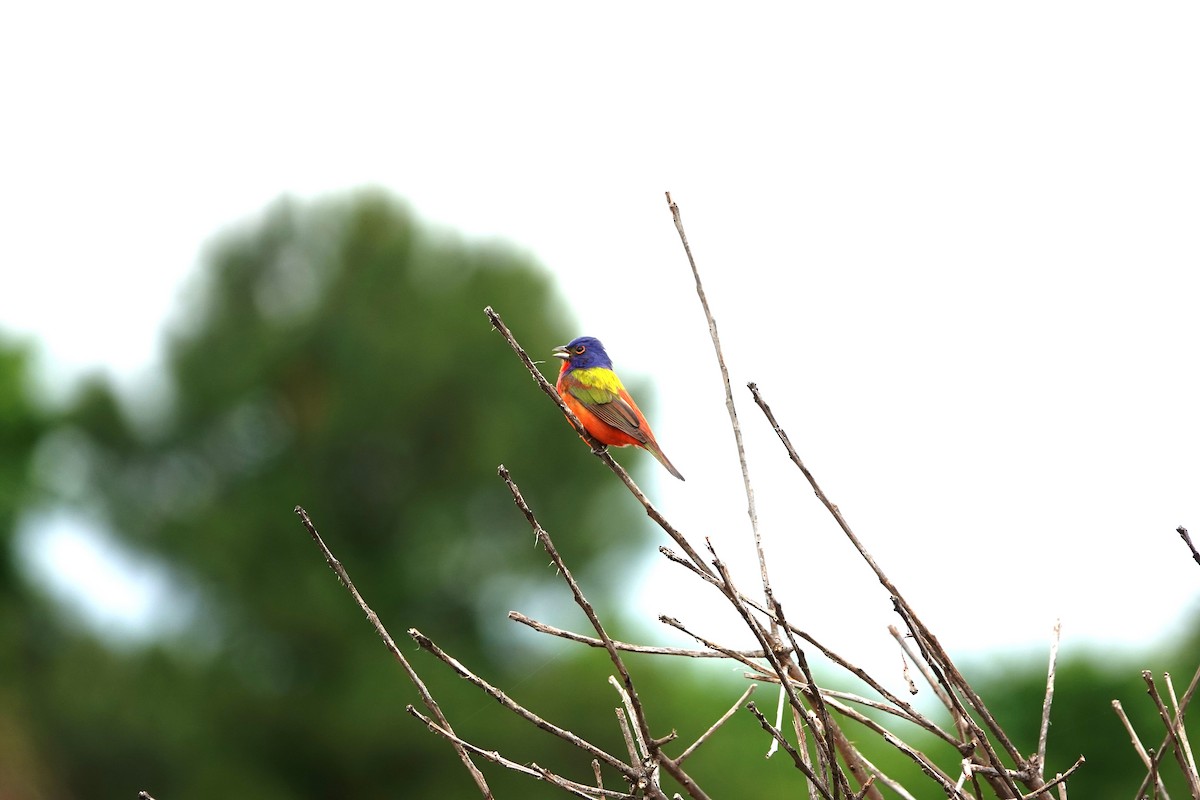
(623, 723)
(1040, 758)
(1058, 780)
(930, 679)
(533, 771)
(704, 737)
(1172, 733)
(599, 779)
(813, 693)
(543, 537)
(1183, 534)
(642, 741)
(390, 643)
(784, 669)
(886, 780)
(924, 762)
(729, 404)
(427, 644)
(590, 641)
(1183, 704)
(931, 648)
(1138, 747)
(906, 709)
(1179, 726)
(736, 655)
(791, 751)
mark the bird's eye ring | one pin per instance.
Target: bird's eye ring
(579, 350)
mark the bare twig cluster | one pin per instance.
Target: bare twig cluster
(811, 724)
(1176, 738)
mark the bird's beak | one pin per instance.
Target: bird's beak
(561, 352)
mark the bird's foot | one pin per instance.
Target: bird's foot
(600, 449)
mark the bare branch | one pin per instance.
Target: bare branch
(708, 733)
(791, 751)
(1183, 534)
(390, 643)
(1172, 726)
(931, 649)
(1058, 780)
(1183, 704)
(1040, 758)
(1183, 737)
(581, 601)
(503, 699)
(599, 779)
(1139, 748)
(729, 404)
(542, 627)
(736, 655)
(533, 771)
(930, 679)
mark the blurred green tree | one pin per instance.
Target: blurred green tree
(334, 355)
(23, 613)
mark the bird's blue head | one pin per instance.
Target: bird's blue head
(582, 353)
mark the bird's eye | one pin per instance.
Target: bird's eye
(579, 350)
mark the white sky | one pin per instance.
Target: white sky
(954, 244)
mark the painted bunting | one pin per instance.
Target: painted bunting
(596, 396)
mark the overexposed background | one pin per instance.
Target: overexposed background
(954, 245)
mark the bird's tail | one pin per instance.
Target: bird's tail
(662, 459)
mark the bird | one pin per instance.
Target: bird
(594, 393)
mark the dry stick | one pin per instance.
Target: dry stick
(627, 734)
(736, 655)
(1183, 703)
(729, 404)
(542, 627)
(932, 680)
(373, 618)
(850, 697)
(866, 787)
(906, 710)
(1183, 534)
(923, 761)
(427, 644)
(907, 675)
(1040, 758)
(993, 769)
(704, 737)
(1059, 780)
(891, 783)
(813, 692)
(599, 779)
(599, 450)
(1171, 725)
(533, 771)
(1183, 737)
(144, 796)
(1138, 747)
(643, 746)
(543, 538)
(801, 740)
(925, 637)
(774, 658)
(791, 751)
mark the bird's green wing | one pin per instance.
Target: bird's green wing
(609, 406)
